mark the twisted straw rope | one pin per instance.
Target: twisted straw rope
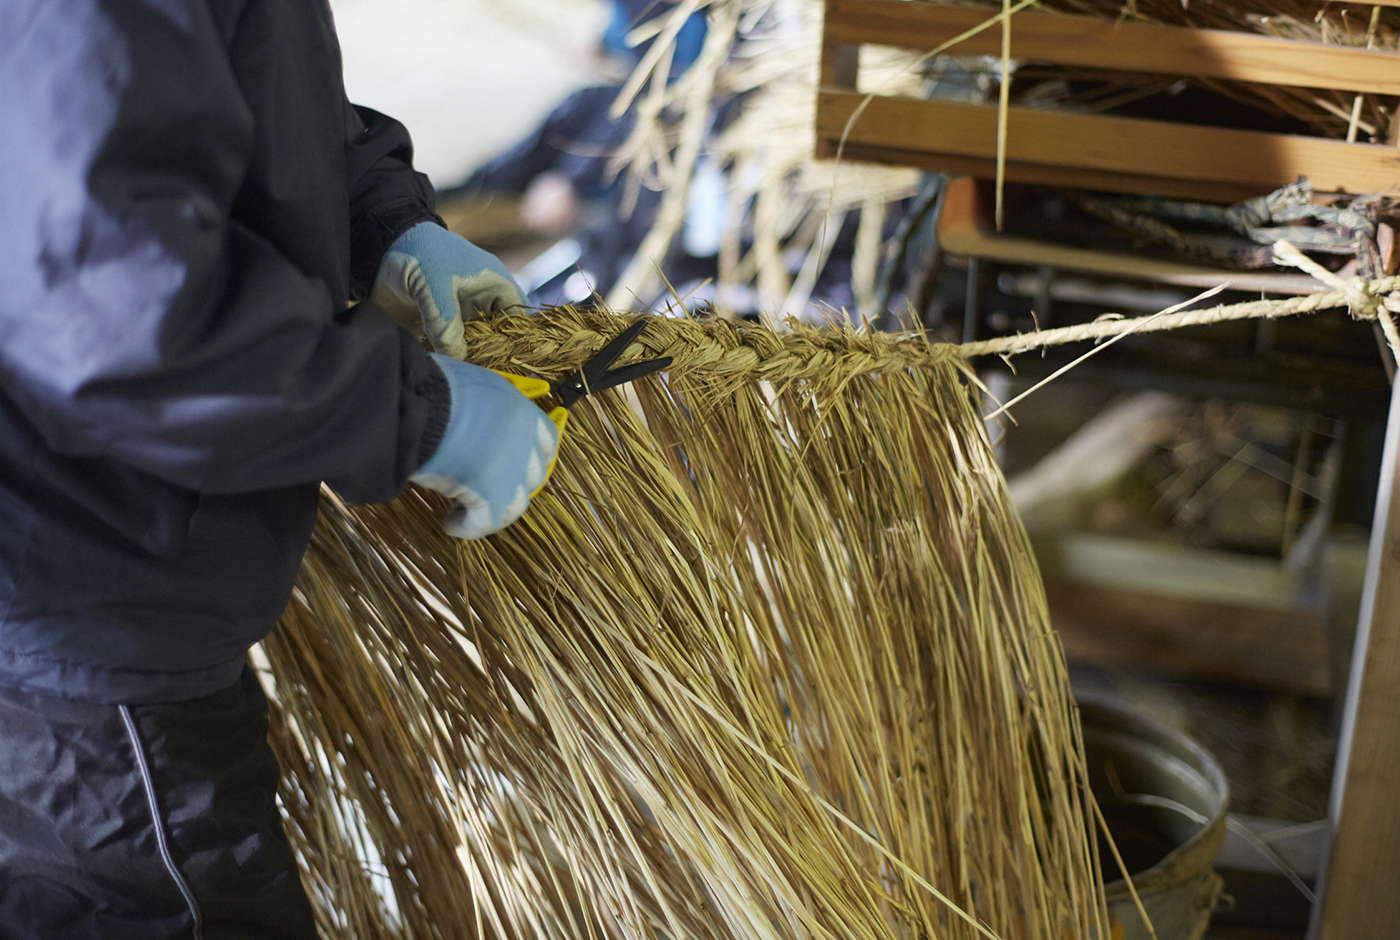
(1367, 300)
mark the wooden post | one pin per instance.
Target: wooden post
(1360, 896)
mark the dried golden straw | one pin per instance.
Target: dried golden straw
(768, 658)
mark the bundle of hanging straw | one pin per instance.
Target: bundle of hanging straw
(768, 658)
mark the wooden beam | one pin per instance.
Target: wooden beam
(1359, 897)
(1248, 159)
(1119, 45)
(1040, 174)
(840, 65)
(1277, 649)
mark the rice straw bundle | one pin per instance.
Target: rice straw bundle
(768, 658)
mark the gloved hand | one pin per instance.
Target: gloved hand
(440, 277)
(497, 452)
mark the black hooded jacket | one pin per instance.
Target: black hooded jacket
(188, 205)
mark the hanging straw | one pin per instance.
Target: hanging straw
(768, 658)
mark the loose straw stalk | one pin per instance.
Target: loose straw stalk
(768, 658)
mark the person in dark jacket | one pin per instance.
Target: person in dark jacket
(189, 209)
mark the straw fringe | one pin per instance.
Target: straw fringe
(768, 658)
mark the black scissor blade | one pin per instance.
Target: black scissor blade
(595, 369)
(630, 373)
(573, 388)
(593, 375)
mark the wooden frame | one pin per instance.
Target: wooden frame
(1058, 39)
(1096, 151)
(965, 228)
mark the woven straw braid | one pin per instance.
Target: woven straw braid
(553, 343)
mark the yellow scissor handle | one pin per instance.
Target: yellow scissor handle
(535, 389)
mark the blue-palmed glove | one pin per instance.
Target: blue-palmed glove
(497, 451)
(441, 279)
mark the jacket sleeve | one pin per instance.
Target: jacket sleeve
(138, 320)
(387, 196)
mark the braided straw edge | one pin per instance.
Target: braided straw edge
(557, 341)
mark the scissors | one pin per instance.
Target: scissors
(596, 375)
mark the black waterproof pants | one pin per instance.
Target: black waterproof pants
(144, 822)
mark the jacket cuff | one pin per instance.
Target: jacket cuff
(432, 386)
(374, 233)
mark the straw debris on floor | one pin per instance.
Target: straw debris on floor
(768, 658)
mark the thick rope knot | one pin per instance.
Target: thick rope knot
(1362, 297)
(1364, 302)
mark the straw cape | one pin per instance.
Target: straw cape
(767, 658)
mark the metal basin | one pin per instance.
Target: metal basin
(1165, 799)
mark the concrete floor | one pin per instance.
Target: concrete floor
(468, 77)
